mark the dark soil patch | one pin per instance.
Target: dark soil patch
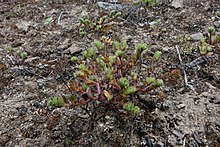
(48, 31)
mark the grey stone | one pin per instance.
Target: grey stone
(30, 60)
(24, 25)
(196, 36)
(74, 49)
(177, 3)
(66, 44)
(181, 106)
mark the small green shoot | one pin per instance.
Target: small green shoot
(10, 49)
(130, 107)
(56, 102)
(48, 20)
(157, 55)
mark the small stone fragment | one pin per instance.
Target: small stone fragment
(74, 49)
(32, 59)
(196, 36)
(178, 134)
(181, 106)
(177, 4)
(24, 25)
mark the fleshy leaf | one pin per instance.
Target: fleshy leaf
(108, 95)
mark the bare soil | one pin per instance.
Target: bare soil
(183, 117)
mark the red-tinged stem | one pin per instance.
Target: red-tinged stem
(98, 88)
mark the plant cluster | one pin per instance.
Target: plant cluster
(185, 43)
(101, 24)
(207, 46)
(108, 74)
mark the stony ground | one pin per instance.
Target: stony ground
(48, 31)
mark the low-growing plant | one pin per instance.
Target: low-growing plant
(130, 107)
(213, 38)
(108, 74)
(204, 47)
(101, 24)
(185, 44)
(208, 45)
(10, 49)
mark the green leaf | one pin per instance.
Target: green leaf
(82, 67)
(101, 63)
(108, 73)
(117, 14)
(129, 90)
(130, 107)
(134, 76)
(56, 101)
(111, 59)
(10, 49)
(23, 55)
(117, 45)
(158, 83)
(202, 40)
(203, 49)
(211, 30)
(84, 87)
(99, 45)
(119, 53)
(123, 45)
(140, 48)
(112, 13)
(84, 54)
(82, 20)
(157, 55)
(150, 80)
(209, 49)
(123, 82)
(91, 52)
(74, 59)
(48, 20)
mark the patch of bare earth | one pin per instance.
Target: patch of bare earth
(48, 32)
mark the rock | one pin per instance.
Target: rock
(178, 134)
(210, 86)
(32, 59)
(66, 44)
(74, 49)
(181, 106)
(22, 110)
(24, 25)
(166, 49)
(177, 4)
(196, 36)
(110, 6)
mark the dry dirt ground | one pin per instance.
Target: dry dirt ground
(184, 117)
